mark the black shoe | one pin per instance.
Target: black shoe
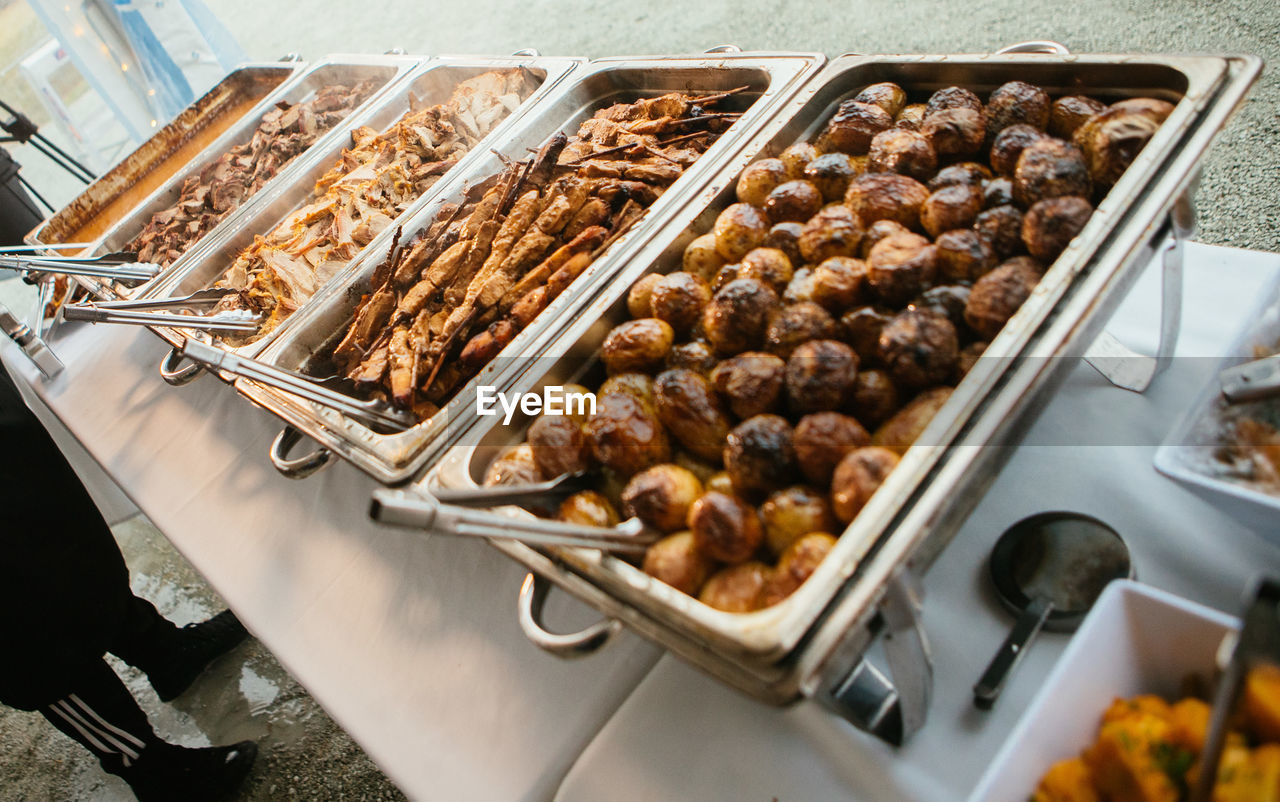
(166, 773)
(195, 647)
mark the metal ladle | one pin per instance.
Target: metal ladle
(1048, 569)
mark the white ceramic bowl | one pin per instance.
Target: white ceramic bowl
(1136, 640)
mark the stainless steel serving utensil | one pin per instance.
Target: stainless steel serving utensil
(30, 343)
(52, 246)
(1048, 569)
(1251, 381)
(421, 511)
(203, 300)
(500, 495)
(1257, 643)
(113, 266)
(232, 322)
(373, 413)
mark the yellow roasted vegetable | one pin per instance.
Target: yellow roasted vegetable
(1067, 781)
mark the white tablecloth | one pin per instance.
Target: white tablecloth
(410, 641)
(683, 736)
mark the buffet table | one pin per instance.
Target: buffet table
(410, 641)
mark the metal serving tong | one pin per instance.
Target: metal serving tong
(449, 513)
(126, 312)
(1257, 643)
(370, 413)
(117, 266)
(1251, 381)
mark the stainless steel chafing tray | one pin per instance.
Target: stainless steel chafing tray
(132, 180)
(771, 79)
(338, 69)
(430, 84)
(812, 644)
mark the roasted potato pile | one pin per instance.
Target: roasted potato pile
(1148, 750)
(760, 395)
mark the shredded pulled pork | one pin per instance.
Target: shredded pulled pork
(222, 187)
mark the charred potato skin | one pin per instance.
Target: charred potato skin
(963, 255)
(853, 126)
(821, 440)
(833, 231)
(911, 117)
(820, 375)
(1009, 144)
(952, 97)
(1001, 228)
(955, 132)
(971, 173)
(838, 282)
(888, 96)
(1018, 103)
(678, 299)
(768, 265)
(886, 196)
(875, 397)
(901, 267)
(695, 355)
(999, 294)
(831, 174)
(662, 496)
(857, 477)
(626, 436)
(920, 348)
(735, 319)
(559, 445)
(793, 202)
(790, 514)
(677, 561)
(759, 455)
(725, 527)
(637, 345)
(955, 206)
(785, 237)
(1070, 112)
(880, 229)
(1112, 139)
(898, 150)
(797, 157)
(948, 300)
(751, 382)
(796, 324)
(689, 408)
(1051, 224)
(997, 192)
(861, 327)
(1050, 168)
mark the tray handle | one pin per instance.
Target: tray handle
(174, 375)
(296, 467)
(1036, 46)
(893, 706)
(722, 49)
(533, 595)
(527, 52)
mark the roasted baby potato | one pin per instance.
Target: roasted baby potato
(559, 445)
(588, 508)
(898, 150)
(911, 117)
(752, 383)
(1050, 168)
(696, 356)
(888, 96)
(793, 513)
(951, 207)
(797, 564)
(1009, 144)
(797, 157)
(861, 328)
(831, 174)
(516, 467)
(838, 282)
(963, 255)
(901, 267)
(1050, 224)
(997, 295)
(759, 455)
(625, 435)
(1017, 103)
(678, 299)
(853, 126)
(820, 376)
(834, 231)
(875, 397)
(637, 345)
(905, 427)
(793, 202)
(637, 385)
(920, 348)
(857, 477)
(1001, 228)
(738, 229)
(955, 132)
(952, 97)
(1070, 112)
(785, 237)
(760, 178)
(725, 527)
(971, 173)
(735, 319)
(768, 265)
(886, 196)
(661, 496)
(689, 408)
(821, 440)
(1112, 139)
(677, 560)
(796, 324)
(736, 589)
(640, 295)
(879, 230)
(700, 259)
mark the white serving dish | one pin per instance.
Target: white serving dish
(1136, 640)
(1187, 453)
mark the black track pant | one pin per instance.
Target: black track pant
(104, 718)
